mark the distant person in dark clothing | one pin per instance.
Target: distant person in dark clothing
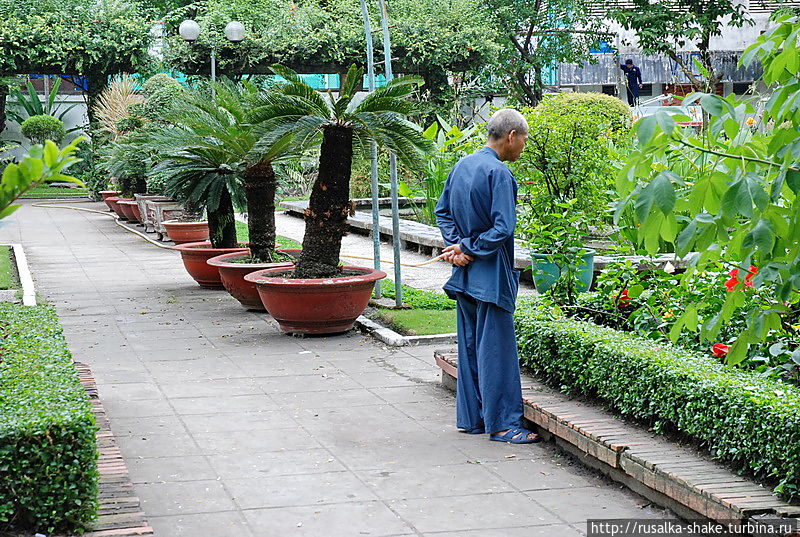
(634, 75)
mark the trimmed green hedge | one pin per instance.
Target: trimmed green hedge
(751, 421)
(48, 451)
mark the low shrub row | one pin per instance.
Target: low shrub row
(741, 417)
(48, 452)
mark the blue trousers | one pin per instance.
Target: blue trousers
(488, 392)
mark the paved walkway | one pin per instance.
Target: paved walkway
(231, 428)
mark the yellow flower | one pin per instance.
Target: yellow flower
(796, 327)
(668, 315)
(750, 121)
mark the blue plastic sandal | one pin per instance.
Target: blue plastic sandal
(518, 435)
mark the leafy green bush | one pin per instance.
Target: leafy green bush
(160, 93)
(571, 152)
(746, 419)
(48, 452)
(43, 127)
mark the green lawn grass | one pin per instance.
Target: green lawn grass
(7, 280)
(242, 235)
(46, 191)
(418, 322)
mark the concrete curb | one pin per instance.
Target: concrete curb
(25, 278)
(393, 339)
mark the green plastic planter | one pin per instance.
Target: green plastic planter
(546, 273)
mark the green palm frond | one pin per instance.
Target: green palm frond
(351, 84)
(296, 87)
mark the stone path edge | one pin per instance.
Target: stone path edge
(690, 486)
(24, 271)
(393, 339)
(119, 513)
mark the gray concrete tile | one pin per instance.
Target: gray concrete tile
(579, 504)
(477, 511)
(143, 426)
(170, 469)
(316, 401)
(129, 391)
(306, 383)
(158, 445)
(256, 441)
(298, 489)
(188, 497)
(551, 530)
(222, 524)
(210, 388)
(540, 474)
(218, 405)
(237, 421)
(340, 520)
(296, 462)
(138, 408)
(433, 481)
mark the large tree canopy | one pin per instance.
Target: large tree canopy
(667, 27)
(432, 38)
(81, 37)
(537, 34)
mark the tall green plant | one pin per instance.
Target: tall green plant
(23, 106)
(729, 193)
(448, 143)
(342, 125)
(212, 153)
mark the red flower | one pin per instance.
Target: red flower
(748, 280)
(720, 349)
(624, 299)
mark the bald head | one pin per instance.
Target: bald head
(508, 132)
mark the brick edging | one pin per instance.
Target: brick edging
(645, 462)
(119, 510)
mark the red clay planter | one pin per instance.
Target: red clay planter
(109, 194)
(126, 207)
(115, 205)
(195, 255)
(232, 275)
(315, 306)
(183, 232)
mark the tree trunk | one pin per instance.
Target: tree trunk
(96, 84)
(259, 185)
(326, 216)
(3, 96)
(221, 223)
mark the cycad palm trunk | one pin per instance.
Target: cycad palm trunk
(329, 206)
(260, 184)
(221, 223)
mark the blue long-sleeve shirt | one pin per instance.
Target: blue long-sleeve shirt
(477, 210)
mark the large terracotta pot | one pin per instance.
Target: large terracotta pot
(195, 255)
(232, 275)
(137, 213)
(126, 207)
(115, 206)
(315, 306)
(109, 194)
(183, 232)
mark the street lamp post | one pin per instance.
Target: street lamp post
(189, 31)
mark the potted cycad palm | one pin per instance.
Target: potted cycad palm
(319, 295)
(209, 156)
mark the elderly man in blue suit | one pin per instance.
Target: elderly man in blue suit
(477, 217)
